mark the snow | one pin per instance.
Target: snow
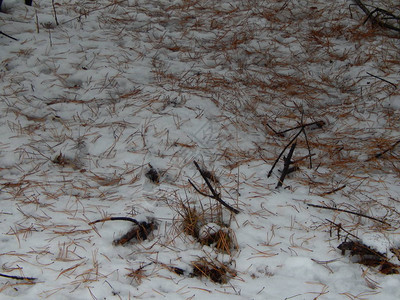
(88, 105)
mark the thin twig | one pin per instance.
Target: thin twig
(55, 12)
(286, 167)
(387, 81)
(375, 19)
(283, 151)
(116, 219)
(5, 34)
(349, 212)
(274, 131)
(214, 195)
(18, 277)
(318, 123)
(385, 151)
(197, 190)
(339, 226)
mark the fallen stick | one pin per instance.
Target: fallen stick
(18, 277)
(116, 219)
(9, 36)
(333, 191)
(214, 195)
(383, 152)
(283, 151)
(375, 19)
(286, 167)
(349, 212)
(384, 80)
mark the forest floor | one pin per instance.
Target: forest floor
(237, 149)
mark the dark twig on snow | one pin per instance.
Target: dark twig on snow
(18, 277)
(319, 124)
(214, 195)
(375, 19)
(349, 212)
(387, 81)
(385, 151)
(116, 219)
(273, 130)
(5, 34)
(339, 227)
(283, 151)
(333, 191)
(140, 232)
(286, 166)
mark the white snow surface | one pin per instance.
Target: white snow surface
(87, 104)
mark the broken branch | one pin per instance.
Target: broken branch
(286, 167)
(283, 151)
(319, 124)
(214, 195)
(375, 19)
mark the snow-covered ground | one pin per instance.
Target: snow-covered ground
(104, 114)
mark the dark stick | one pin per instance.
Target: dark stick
(18, 277)
(214, 195)
(318, 123)
(339, 226)
(387, 150)
(349, 212)
(286, 167)
(116, 219)
(374, 19)
(382, 79)
(283, 151)
(55, 12)
(5, 34)
(197, 190)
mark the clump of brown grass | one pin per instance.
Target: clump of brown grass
(221, 238)
(213, 270)
(191, 219)
(138, 274)
(207, 228)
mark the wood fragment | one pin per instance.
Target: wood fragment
(116, 219)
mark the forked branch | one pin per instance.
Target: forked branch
(214, 194)
(375, 19)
